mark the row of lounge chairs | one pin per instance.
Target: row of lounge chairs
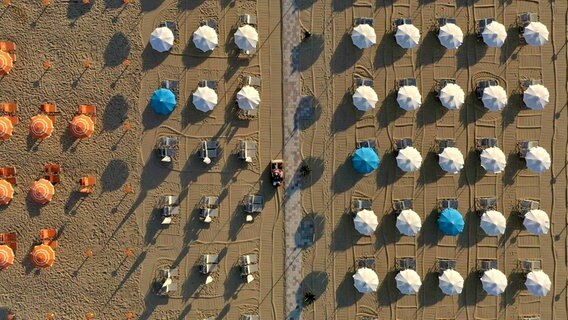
(167, 149)
(52, 173)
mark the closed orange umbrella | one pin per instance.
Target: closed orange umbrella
(41, 127)
(82, 126)
(6, 128)
(42, 256)
(6, 256)
(6, 192)
(42, 191)
(6, 62)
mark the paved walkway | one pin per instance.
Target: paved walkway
(292, 159)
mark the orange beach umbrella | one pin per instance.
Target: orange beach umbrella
(42, 191)
(6, 192)
(82, 126)
(6, 128)
(6, 62)
(41, 127)
(42, 256)
(6, 256)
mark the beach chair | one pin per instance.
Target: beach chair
(248, 19)
(52, 168)
(212, 23)
(208, 150)
(172, 25)
(529, 265)
(480, 26)
(87, 184)
(441, 144)
(481, 85)
(366, 143)
(252, 81)
(362, 20)
(485, 203)
(87, 109)
(523, 147)
(48, 237)
(445, 264)
(48, 108)
(445, 20)
(486, 264)
(524, 84)
(363, 82)
(172, 85)
(401, 204)
(208, 263)
(441, 83)
(249, 317)
(249, 269)
(9, 108)
(531, 317)
(208, 208)
(358, 204)
(406, 263)
(247, 259)
(7, 237)
(12, 180)
(484, 143)
(208, 83)
(170, 208)
(366, 262)
(400, 144)
(247, 150)
(448, 204)
(167, 148)
(253, 203)
(401, 21)
(524, 18)
(526, 205)
(6, 172)
(406, 82)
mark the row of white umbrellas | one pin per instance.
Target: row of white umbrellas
(493, 281)
(205, 99)
(205, 38)
(452, 97)
(450, 35)
(492, 222)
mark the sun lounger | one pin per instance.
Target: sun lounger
(208, 263)
(445, 143)
(249, 269)
(529, 82)
(367, 143)
(47, 234)
(523, 19)
(402, 143)
(486, 264)
(443, 21)
(531, 317)
(172, 25)
(406, 263)
(407, 82)
(52, 168)
(526, 205)
(6, 172)
(212, 23)
(481, 85)
(87, 109)
(448, 204)
(527, 266)
(445, 264)
(525, 146)
(366, 262)
(209, 208)
(481, 24)
(363, 82)
(485, 203)
(362, 20)
(252, 81)
(253, 203)
(7, 46)
(9, 107)
(484, 143)
(208, 83)
(441, 83)
(87, 184)
(172, 85)
(48, 108)
(401, 21)
(248, 19)
(53, 178)
(248, 259)
(402, 204)
(247, 150)
(167, 148)
(208, 149)
(8, 238)
(358, 204)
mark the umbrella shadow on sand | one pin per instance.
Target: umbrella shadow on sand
(344, 235)
(346, 295)
(430, 172)
(388, 51)
(115, 113)
(117, 50)
(429, 293)
(317, 169)
(511, 45)
(389, 110)
(150, 119)
(430, 50)
(345, 55)
(308, 51)
(152, 58)
(430, 111)
(345, 177)
(114, 176)
(472, 282)
(387, 292)
(345, 115)
(471, 51)
(472, 171)
(514, 165)
(77, 9)
(387, 232)
(388, 171)
(430, 239)
(472, 110)
(514, 106)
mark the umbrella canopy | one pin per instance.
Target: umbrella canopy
(407, 36)
(409, 98)
(363, 36)
(408, 281)
(493, 160)
(6, 128)
(42, 256)
(366, 280)
(451, 160)
(452, 96)
(82, 126)
(366, 222)
(494, 35)
(163, 101)
(409, 159)
(494, 282)
(246, 37)
(494, 98)
(538, 159)
(6, 62)
(365, 160)
(205, 38)
(205, 99)
(450, 36)
(538, 283)
(248, 98)
(493, 223)
(536, 222)
(408, 222)
(6, 256)
(451, 282)
(450, 222)
(6, 192)
(536, 34)
(365, 98)
(42, 191)
(162, 39)
(536, 97)
(41, 127)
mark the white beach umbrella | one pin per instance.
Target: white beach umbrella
(366, 222)
(536, 222)
(409, 159)
(365, 98)
(408, 222)
(409, 98)
(536, 34)
(407, 36)
(248, 98)
(538, 159)
(246, 37)
(494, 282)
(366, 280)
(493, 160)
(451, 160)
(363, 36)
(494, 98)
(538, 283)
(493, 223)
(205, 99)
(494, 34)
(162, 39)
(408, 281)
(450, 36)
(205, 38)
(536, 97)
(452, 96)
(451, 282)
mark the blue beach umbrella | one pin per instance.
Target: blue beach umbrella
(450, 222)
(163, 101)
(365, 160)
